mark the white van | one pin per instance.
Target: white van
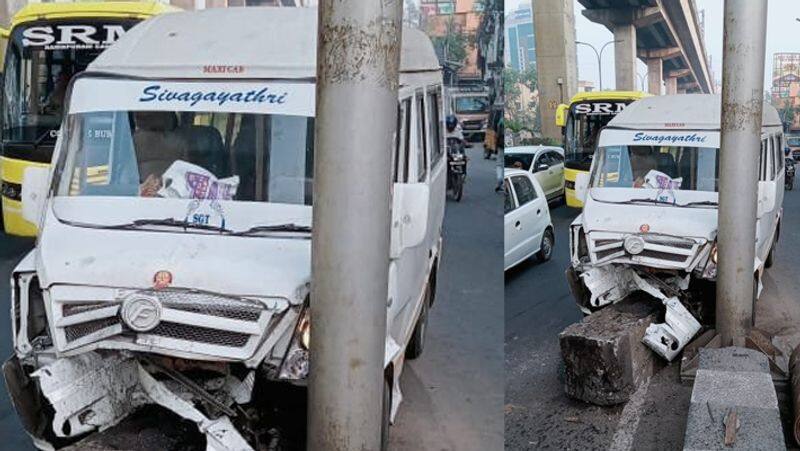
(173, 265)
(650, 219)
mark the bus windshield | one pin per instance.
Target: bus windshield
(41, 59)
(583, 127)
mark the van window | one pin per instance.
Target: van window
(689, 168)
(778, 146)
(422, 163)
(434, 107)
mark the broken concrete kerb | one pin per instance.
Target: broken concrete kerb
(604, 357)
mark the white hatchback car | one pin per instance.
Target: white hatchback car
(527, 229)
(546, 163)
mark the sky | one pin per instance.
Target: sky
(783, 35)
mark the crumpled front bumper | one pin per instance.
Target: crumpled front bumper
(95, 391)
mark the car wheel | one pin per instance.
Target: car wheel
(417, 342)
(546, 248)
(386, 414)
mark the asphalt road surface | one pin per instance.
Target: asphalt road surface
(538, 306)
(453, 394)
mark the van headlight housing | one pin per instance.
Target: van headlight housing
(295, 363)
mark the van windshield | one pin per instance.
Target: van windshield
(189, 155)
(657, 167)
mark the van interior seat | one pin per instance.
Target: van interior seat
(206, 148)
(157, 142)
(666, 164)
(244, 151)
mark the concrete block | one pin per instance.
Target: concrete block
(604, 357)
(733, 380)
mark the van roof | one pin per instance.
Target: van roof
(246, 43)
(681, 111)
(79, 10)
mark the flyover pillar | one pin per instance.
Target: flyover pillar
(655, 75)
(625, 56)
(556, 60)
(671, 85)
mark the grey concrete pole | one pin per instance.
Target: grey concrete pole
(742, 103)
(625, 56)
(556, 59)
(358, 59)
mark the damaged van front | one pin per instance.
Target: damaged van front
(650, 219)
(173, 265)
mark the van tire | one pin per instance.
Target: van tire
(386, 414)
(755, 299)
(771, 256)
(417, 343)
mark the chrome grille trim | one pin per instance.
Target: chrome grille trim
(207, 324)
(660, 251)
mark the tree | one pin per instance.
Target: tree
(520, 114)
(453, 45)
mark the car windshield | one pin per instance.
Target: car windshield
(793, 141)
(518, 160)
(657, 167)
(472, 105)
(189, 155)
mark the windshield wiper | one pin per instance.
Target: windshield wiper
(699, 202)
(171, 222)
(288, 227)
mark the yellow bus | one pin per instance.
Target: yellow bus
(580, 122)
(48, 43)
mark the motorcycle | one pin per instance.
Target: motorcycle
(456, 168)
(789, 179)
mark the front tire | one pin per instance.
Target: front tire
(546, 248)
(386, 414)
(417, 343)
(458, 188)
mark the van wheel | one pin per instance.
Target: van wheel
(417, 342)
(755, 298)
(546, 248)
(386, 414)
(771, 256)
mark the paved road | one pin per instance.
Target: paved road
(454, 392)
(538, 305)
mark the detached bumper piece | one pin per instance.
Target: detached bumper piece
(610, 284)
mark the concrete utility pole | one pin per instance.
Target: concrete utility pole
(358, 59)
(742, 104)
(556, 60)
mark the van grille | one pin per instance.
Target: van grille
(659, 250)
(187, 321)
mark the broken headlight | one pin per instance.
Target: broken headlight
(295, 363)
(710, 271)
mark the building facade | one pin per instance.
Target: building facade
(443, 17)
(520, 43)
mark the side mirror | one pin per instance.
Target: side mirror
(561, 115)
(766, 198)
(409, 216)
(581, 186)
(34, 193)
(542, 167)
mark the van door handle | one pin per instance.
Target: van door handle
(539, 211)
(517, 224)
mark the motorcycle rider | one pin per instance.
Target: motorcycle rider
(454, 129)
